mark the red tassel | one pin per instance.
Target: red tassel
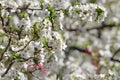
(41, 67)
(32, 67)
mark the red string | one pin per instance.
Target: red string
(40, 66)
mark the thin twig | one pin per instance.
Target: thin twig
(112, 58)
(103, 26)
(116, 52)
(116, 60)
(77, 48)
(71, 48)
(99, 28)
(24, 8)
(3, 25)
(6, 48)
(10, 65)
(25, 59)
(23, 47)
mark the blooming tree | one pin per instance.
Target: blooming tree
(43, 39)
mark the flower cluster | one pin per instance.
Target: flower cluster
(31, 36)
(88, 12)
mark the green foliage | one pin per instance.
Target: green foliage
(0, 8)
(44, 41)
(16, 55)
(41, 3)
(35, 60)
(117, 68)
(92, 1)
(65, 11)
(24, 15)
(20, 32)
(86, 43)
(62, 36)
(36, 30)
(59, 77)
(74, 78)
(2, 34)
(50, 8)
(0, 5)
(16, 78)
(35, 24)
(99, 12)
(75, 3)
(35, 50)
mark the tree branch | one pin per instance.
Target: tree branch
(24, 8)
(112, 58)
(99, 28)
(3, 25)
(10, 65)
(116, 60)
(76, 48)
(25, 59)
(104, 25)
(23, 47)
(6, 48)
(67, 51)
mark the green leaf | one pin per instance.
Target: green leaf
(92, 1)
(75, 3)
(41, 3)
(16, 78)
(36, 30)
(62, 36)
(35, 50)
(86, 43)
(35, 60)
(65, 11)
(16, 55)
(24, 14)
(2, 34)
(99, 12)
(50, 8)
(44, 41)
(35, 24)
(0, 6)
